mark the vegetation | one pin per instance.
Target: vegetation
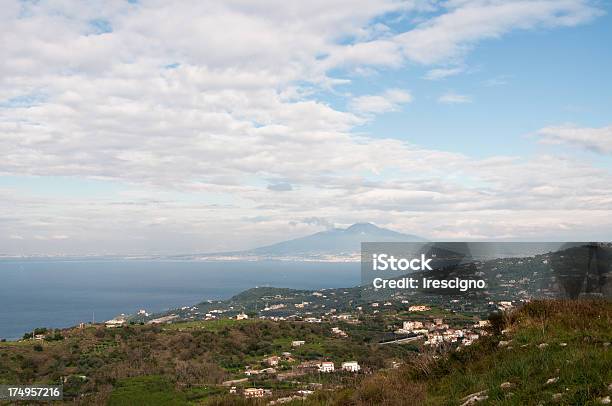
(549, 351)
(180, 362)
(543, 351)
(145, 391)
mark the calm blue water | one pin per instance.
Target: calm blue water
(52, 293)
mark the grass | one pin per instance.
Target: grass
(207, 325)
(200, 393)
(561, 340)
(20, 343)
(567, 342)
(582, 370)
(146, 391)
(28, 343)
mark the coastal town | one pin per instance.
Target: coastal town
(280, 345)
(509, 281)
(420, 321)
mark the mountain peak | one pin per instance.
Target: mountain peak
(362, 228)
(336, 241)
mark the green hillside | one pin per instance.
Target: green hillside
(547, 352)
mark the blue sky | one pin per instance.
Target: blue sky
(131, 127)
(542, 77)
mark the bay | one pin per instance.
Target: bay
(62, 293)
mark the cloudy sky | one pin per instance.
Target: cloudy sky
(171, 127)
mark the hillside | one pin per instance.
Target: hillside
(547, 352)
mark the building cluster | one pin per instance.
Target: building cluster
(329, 366)
(436, 332)
(254, 393)
(250, 393)
(510, 279)
(302, 369)
(251, 372)
(321, 366)
(274, 307)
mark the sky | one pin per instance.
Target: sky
(155, 127)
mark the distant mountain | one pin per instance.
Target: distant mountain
(336, 241)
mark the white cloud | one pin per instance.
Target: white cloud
(454, 98)
(208, 113)
(430, 193)
(593, 139)
(465, 23)
(443, 73)
(390, 100)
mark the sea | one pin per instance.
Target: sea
(62, 293)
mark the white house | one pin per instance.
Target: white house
(241, 316)
(418, 308)
(116, 322)
(254, 393)
(412, 325)
(326, 366)
(339, 332)
(297, 343)
(351, 366)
